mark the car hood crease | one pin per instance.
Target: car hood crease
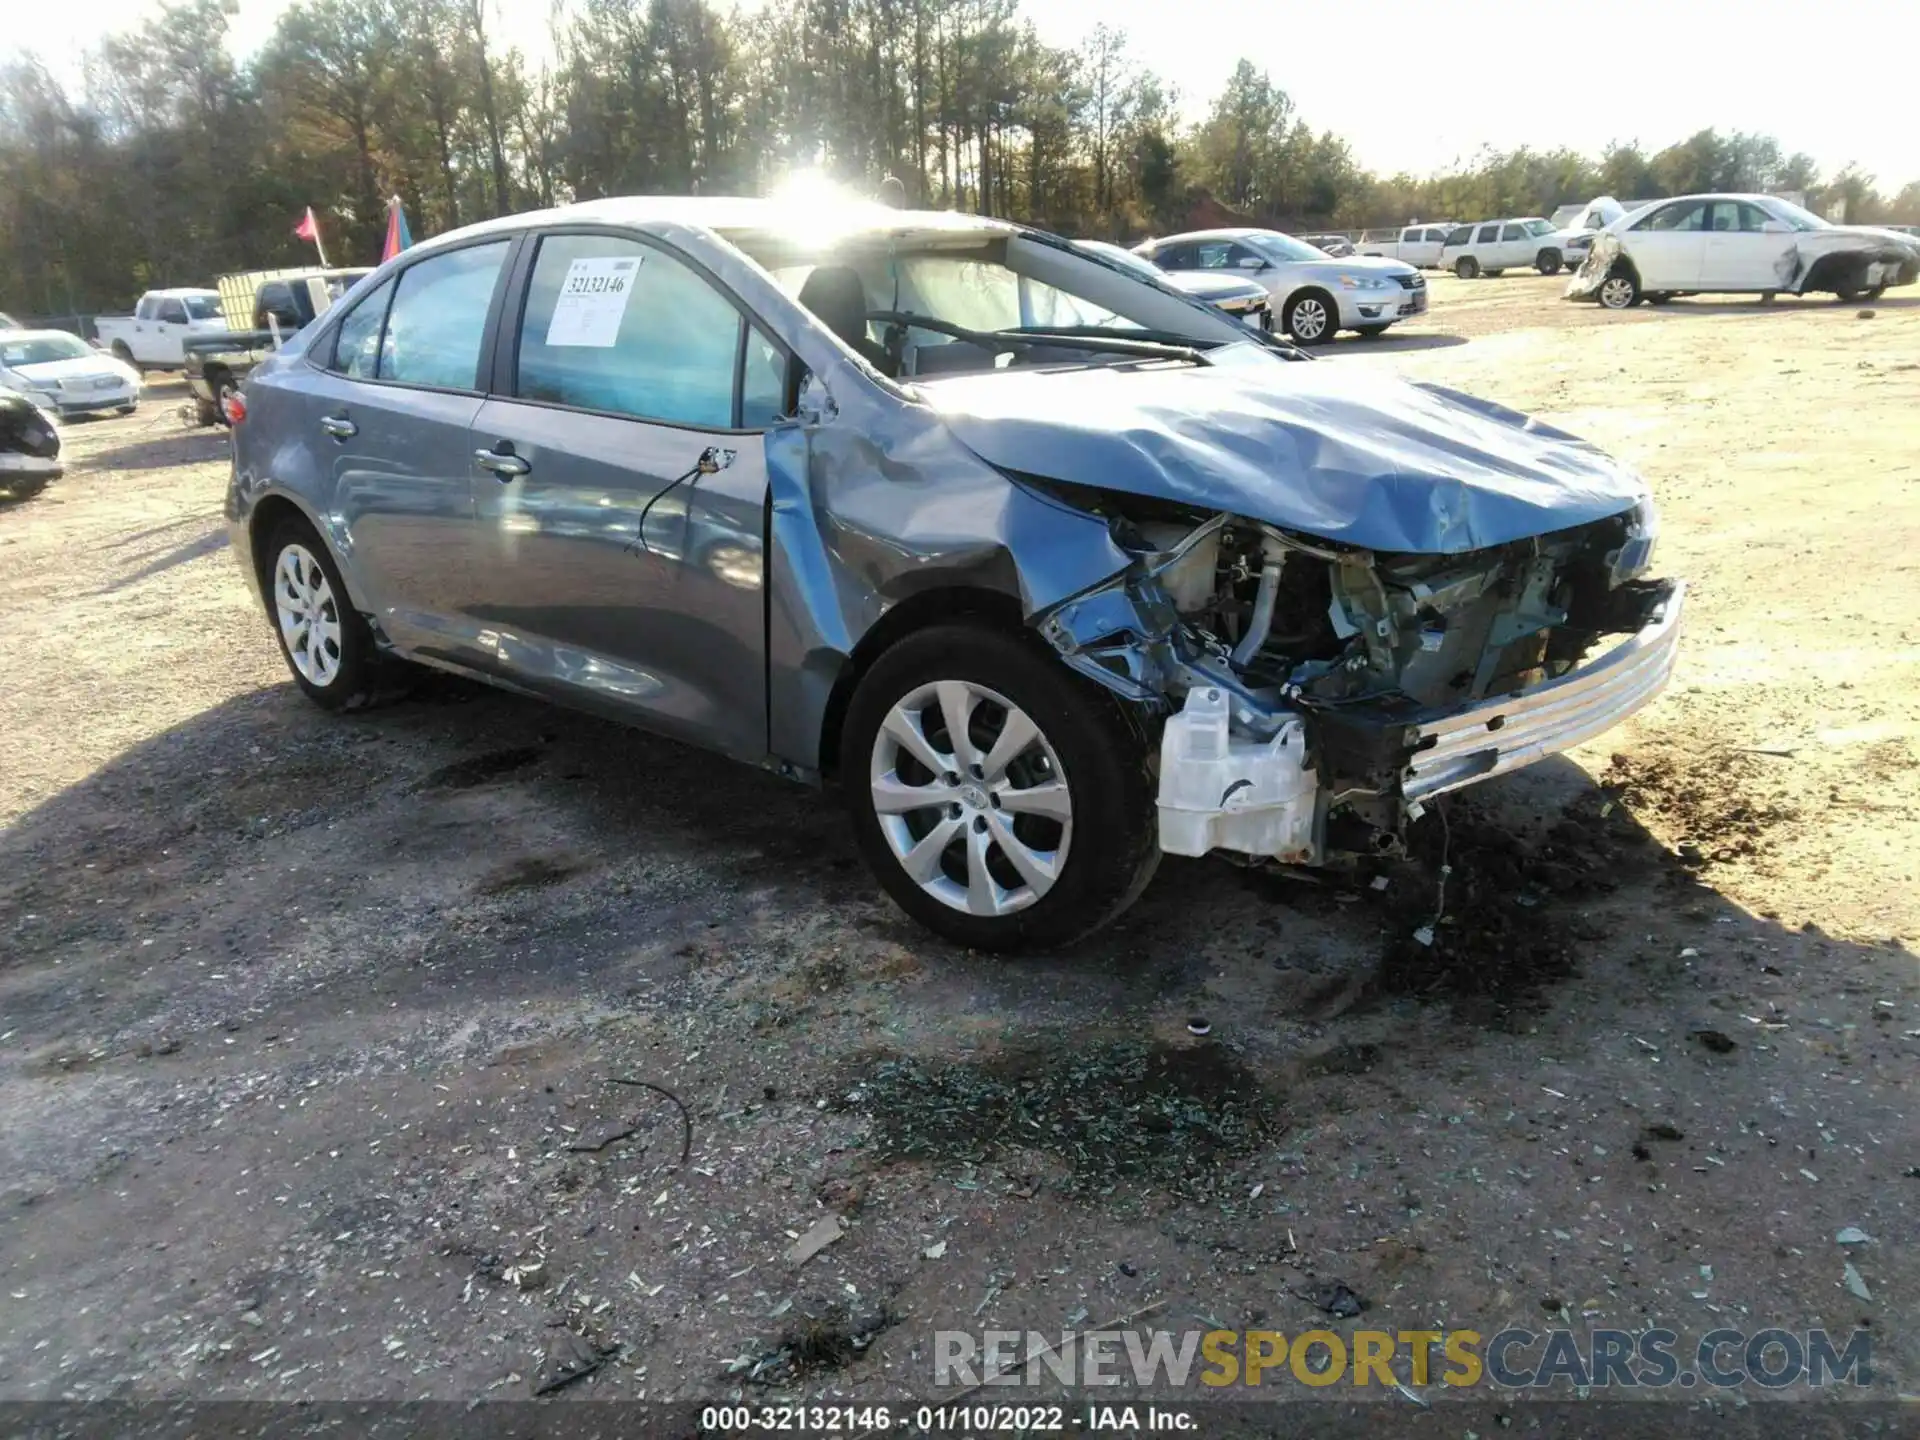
(1369, 461)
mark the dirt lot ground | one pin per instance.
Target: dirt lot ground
(309, 1026)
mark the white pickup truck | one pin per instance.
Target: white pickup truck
(154, 336)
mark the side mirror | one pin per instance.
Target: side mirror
(1252, 262)
(1775, 227)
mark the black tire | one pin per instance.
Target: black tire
(1657, 297)
(1854, 297)
(1297, 319)
(363, 676)
(1466, 267)
(1103, 758)
(223, 385)
(1547, 262)
(124, 409)
(1619, 291)
(121, 352)
(1372, 332)
(206, 412)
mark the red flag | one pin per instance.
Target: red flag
(308, 229)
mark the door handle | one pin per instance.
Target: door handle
(504, 464)
(338, 426)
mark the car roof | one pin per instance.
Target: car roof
(1239, 232)
(181, 292)
(20, 334)
(741, 215)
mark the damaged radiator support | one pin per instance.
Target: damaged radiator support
(1314, 697)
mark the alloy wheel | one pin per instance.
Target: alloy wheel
(1309, 319)
(309, 619)
(1617, 292)
(971, 798)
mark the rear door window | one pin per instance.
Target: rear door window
(613, 325)
(1512, 232)
(1489, 234)
(172, 312)
(439, 315)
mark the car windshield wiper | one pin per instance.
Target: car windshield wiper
(1149, 344)
(1091, 337)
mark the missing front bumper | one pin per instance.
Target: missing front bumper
(1516, 730)
(1275, 798)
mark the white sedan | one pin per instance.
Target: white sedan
(62, 373)
(1314, 296)
(1698, 244)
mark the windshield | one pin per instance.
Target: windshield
(43, 348)
(1275, 246)
(1537, 227)
(1796, 217)
(202, 307)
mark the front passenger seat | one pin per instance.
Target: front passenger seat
(835, 295)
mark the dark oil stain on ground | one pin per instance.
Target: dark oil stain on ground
(529, 872)
(478, 769)
(1111, 1110)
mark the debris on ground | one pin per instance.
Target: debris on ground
(1718, 1041)
(1852, 1235)
(1662, 1130)
(1111, 1110)
(1856, 1287)
(824, 1232)
(1335, 1299)
(569, 1357)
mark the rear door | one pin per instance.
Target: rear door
(620, 485)
(390, 413)
(1516, 246)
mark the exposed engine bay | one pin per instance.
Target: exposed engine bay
(1308, 680)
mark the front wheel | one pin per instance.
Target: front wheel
(1001, 800)
(1310, 318)
(1854, 297)
(1547, 262)
(1466, 267)
(326, 642)
(1619, 291)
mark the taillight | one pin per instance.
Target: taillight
(234, 407)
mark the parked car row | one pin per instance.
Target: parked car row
(1313, 296)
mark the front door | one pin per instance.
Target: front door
(620, 488)
(392, 411)
(1740, 254)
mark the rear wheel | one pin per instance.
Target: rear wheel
(1001, 801)
(327, 644)
(1311, 318)
(1853, 297)
(1466, 267)
(1547, 262)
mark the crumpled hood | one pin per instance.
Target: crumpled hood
(1315, 447)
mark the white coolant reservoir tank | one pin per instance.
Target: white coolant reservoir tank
(1221, 791)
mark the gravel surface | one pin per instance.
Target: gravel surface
(312, 1027)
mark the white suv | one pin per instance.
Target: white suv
(1314, 296)
(1490, 246)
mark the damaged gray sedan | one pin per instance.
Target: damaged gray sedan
(1049, 567)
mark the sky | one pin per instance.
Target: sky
(1418, 86)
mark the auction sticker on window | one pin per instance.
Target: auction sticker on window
(593, 298)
